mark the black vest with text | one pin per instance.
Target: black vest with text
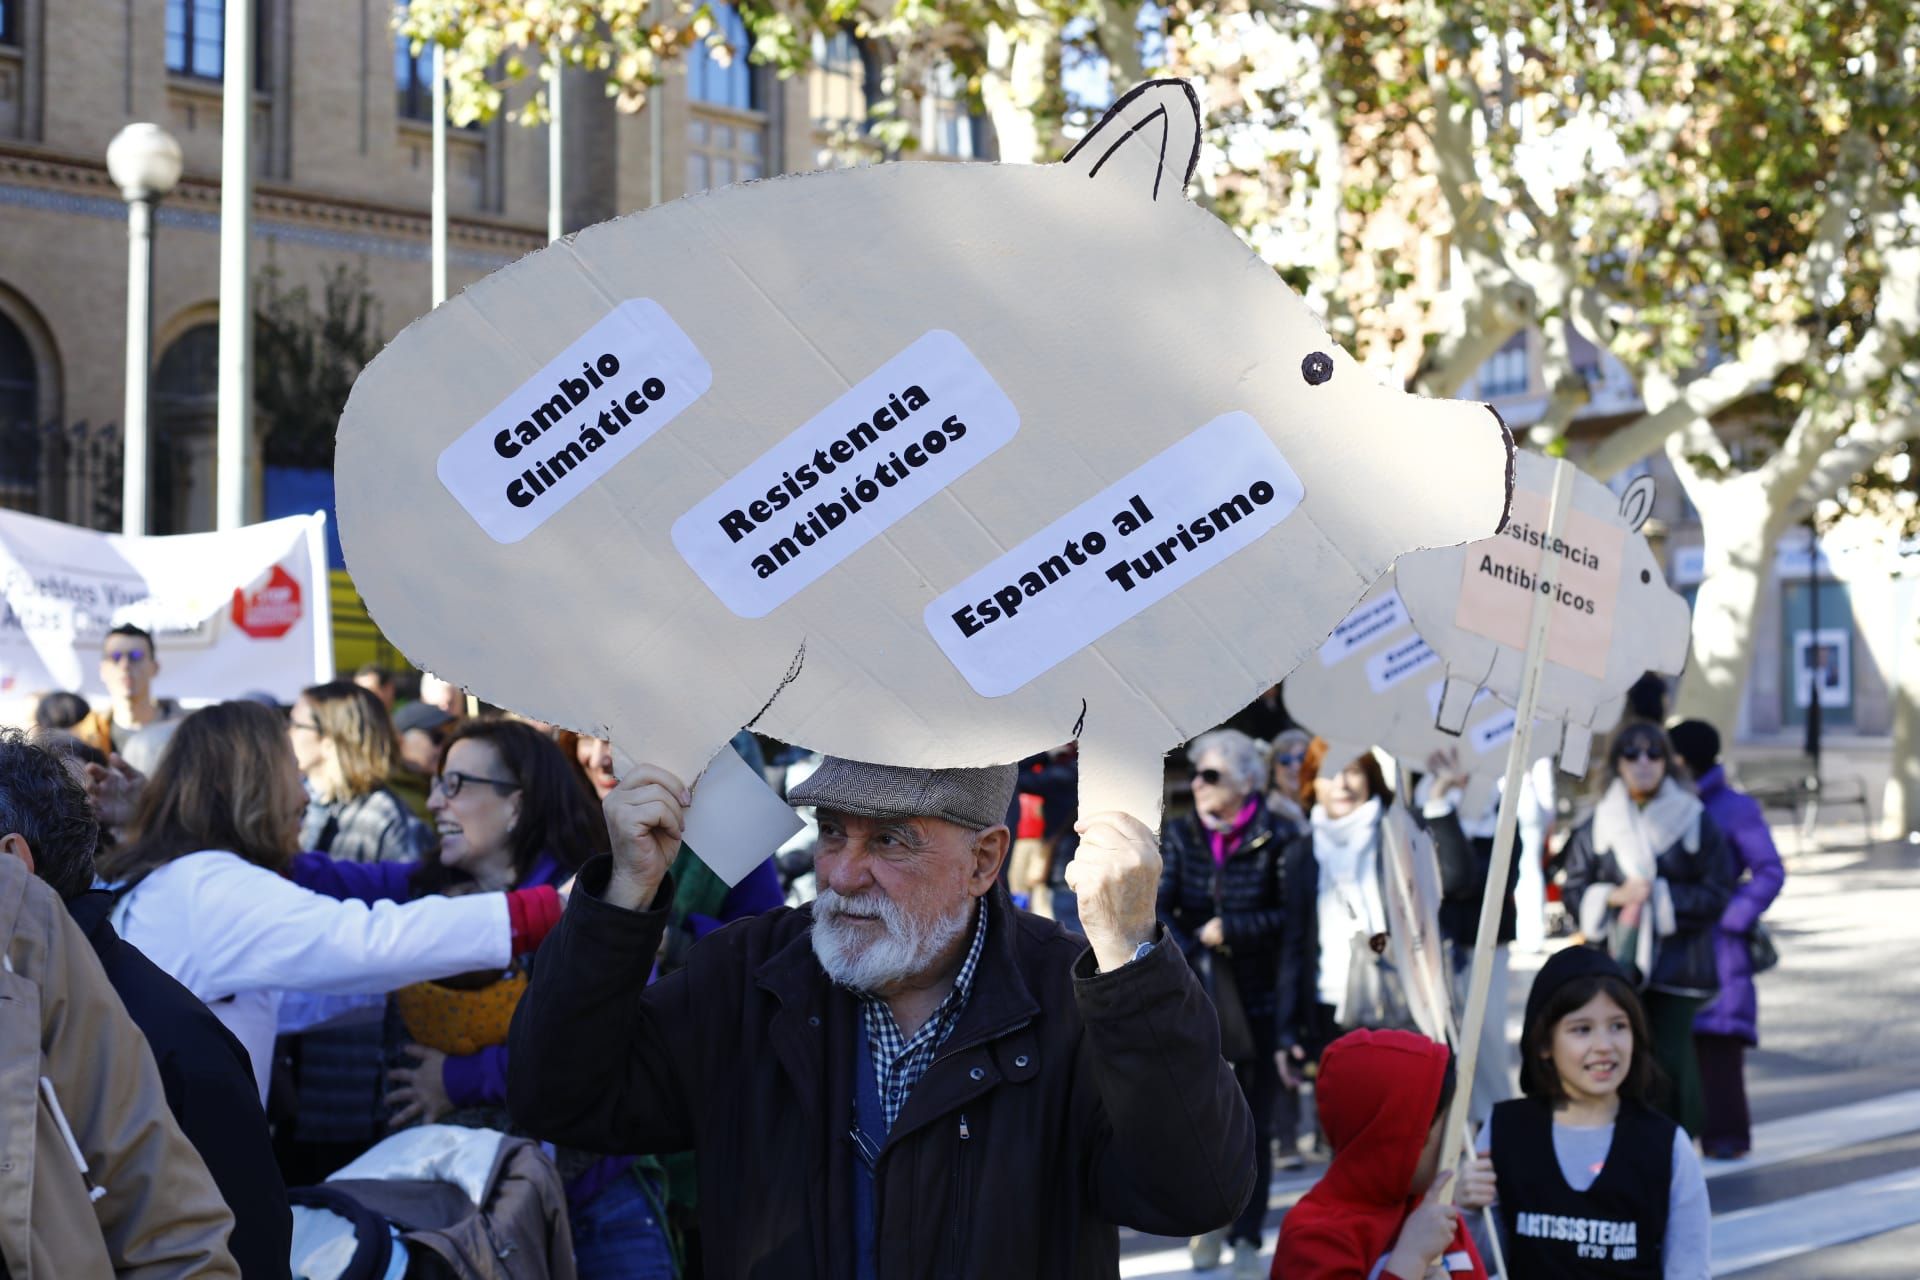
(1615, 1228)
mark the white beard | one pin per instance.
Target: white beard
(872, 965)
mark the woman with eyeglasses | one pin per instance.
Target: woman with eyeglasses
(204, 891)
(512, 813)
(1647, 877)
(344, 742)
(1223, 900)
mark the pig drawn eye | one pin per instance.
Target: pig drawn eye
(1316, 368)
(1646, 576)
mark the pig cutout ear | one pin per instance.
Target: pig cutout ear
(1636, 504)
(1149, 139)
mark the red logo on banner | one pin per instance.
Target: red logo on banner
(268, 612)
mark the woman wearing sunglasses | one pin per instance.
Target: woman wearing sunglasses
(1222, 898)
(1289, 752)
(1647, 877)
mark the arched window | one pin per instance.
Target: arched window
(186, 402)
(19, 375)
(188, 380)
(19, 416)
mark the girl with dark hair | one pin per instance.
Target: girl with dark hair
(203, 890)
(1583, 1147)
(1647, 877)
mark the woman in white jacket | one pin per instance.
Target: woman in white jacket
(203, 892)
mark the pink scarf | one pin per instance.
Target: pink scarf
(1224, 842)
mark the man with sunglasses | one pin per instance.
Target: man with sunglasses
(128, 664)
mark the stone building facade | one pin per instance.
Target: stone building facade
(342, 172)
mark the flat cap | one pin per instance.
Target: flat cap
(974, 798)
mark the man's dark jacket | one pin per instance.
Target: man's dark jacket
(1465, 862)
(1064, 1102)
(210, 1087)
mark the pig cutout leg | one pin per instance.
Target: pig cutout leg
(1455, 703)
(1576, 749)
(1120, 771)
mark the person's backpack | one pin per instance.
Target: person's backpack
(437, 1202)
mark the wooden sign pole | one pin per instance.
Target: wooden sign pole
(1518, 755)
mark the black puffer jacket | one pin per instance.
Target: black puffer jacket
(1700, 882)
(1248, 893)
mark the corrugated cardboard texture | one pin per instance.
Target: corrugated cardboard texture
(1118, 318)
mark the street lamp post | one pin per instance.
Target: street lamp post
(144, 162)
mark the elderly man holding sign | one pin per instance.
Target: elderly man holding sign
(909, 1077)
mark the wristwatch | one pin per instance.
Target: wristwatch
(1142, 950)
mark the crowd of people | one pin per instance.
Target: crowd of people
(937, 1036)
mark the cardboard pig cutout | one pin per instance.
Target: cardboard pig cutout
(1377, 683)
(926, 464)
(1613, 616)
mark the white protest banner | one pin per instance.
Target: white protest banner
(1082, 320)
(231, 613)
(1611, 615)
(1344, 699)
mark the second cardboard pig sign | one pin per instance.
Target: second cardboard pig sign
(1612, 616)
(930, 464)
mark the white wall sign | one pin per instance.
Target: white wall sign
(1822, 660)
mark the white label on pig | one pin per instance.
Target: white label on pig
(1367, 623)
(1396, 662)
(918, 423)
(1132, 544)
(592, 405)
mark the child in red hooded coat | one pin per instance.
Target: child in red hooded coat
(1383, 1099)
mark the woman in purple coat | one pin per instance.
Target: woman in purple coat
(1723, 1030)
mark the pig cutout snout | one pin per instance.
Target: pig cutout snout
(926, 464)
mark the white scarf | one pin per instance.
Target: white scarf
(1636, 836)
(1350, 900)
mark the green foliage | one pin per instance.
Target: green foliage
(306, 359)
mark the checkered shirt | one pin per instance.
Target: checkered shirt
(899, 1061)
